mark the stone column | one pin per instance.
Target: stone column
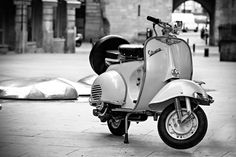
(48, 24)
(225, 14)
(71, 29)
(21, 25)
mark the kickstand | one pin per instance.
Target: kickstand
(126, 140)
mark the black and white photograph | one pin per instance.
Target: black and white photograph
(117, 78)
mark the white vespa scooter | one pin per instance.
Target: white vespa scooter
(150, 80)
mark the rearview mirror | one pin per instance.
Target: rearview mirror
(179, 24)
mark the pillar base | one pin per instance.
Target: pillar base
(58, 45)
(227, 50)
(227, 43)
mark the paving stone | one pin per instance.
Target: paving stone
(68, 128)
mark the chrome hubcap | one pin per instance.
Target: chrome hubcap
(181, 131)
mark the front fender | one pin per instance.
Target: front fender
(181, 88)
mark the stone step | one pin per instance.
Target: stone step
(92, 7)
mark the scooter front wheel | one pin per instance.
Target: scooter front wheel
(117, 127)
(182, 135)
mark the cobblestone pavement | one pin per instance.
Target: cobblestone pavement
(67, 128)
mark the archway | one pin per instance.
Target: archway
(209, 5)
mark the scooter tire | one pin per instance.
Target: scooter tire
(185, 143)
(99, 51)
(118, 130)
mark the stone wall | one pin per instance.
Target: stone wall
(128, 17)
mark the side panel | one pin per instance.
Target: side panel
(133, 75)
(109, 87)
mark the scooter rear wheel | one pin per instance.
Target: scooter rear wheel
(182, 136)
(117, 127)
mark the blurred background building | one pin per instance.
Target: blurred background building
(38, 25)
(52, 25)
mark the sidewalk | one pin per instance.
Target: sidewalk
(84, 48)
(69, 66)
(45, 76)
(67, 128)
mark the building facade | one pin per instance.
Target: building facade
(32, 26)
(51, 25)
(128, 18)
(38, 25)
(225, 25)
(123, 17)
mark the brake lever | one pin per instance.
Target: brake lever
(154, 28)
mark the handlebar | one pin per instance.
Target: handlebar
(154, 20)
(167, 28)
(159, 22)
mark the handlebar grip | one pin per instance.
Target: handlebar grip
(154, 20)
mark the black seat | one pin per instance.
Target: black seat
(131, 50)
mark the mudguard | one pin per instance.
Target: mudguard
(179, 88)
